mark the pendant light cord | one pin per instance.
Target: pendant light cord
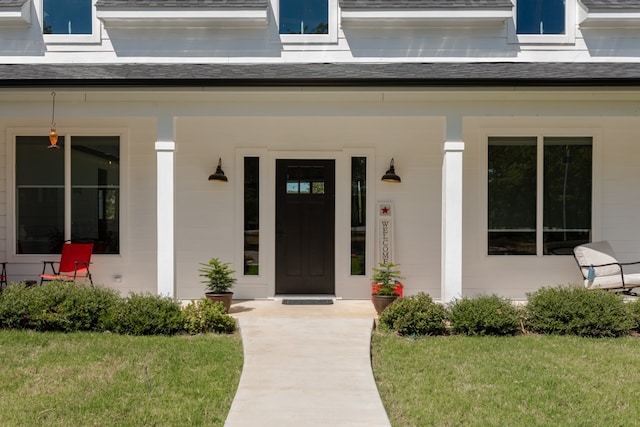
(53, 110)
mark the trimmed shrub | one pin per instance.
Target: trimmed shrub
(57, 306)
(575, 310)
(205, 315)
(484, 315)
(414, 315)
(147, 315)
(634, 313)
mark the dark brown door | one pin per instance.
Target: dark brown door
(305, 231)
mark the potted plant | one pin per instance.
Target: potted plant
(385, 286)
(218, 280)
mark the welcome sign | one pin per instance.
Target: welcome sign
(385, 232)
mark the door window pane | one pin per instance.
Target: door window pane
(512, 196)
(39, 195)
(304, 17)
(567, 194)
(95, 192)
(540, 17)
(67, 17)
(358, 215)
(251, 215)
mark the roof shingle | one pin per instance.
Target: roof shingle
(423, 4)
(185, 4)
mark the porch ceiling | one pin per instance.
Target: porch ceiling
(316, 74)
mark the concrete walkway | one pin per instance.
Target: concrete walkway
(306, 366)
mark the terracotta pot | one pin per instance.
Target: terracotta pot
(380, 302)
(224, 298)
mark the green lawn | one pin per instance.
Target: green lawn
(509, 381)
(100, 379)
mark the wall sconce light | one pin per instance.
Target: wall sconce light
(390, 175)
(53, 134)
(218, 174)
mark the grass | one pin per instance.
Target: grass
(508, 381)
(99, 379)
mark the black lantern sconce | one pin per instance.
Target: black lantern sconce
(390, 175)
(218, 174)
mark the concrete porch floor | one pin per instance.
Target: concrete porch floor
(275, 308)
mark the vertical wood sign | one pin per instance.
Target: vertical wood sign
(385, 232)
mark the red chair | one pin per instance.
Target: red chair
(3, 275)
(74, 263)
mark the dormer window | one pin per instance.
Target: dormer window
(67, 17)
(69, 21)
(543, 22)
(541, 17)
(304, 17)
(307, 21)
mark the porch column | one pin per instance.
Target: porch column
(165, 214)
(451, 278)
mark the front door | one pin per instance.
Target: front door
(305, 218)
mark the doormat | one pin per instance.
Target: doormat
(307, 301)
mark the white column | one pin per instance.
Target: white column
(451, 279)
(165, 214)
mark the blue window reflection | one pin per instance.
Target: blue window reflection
(67, 17)
(304, 17)
(540, 17)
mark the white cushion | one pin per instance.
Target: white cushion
(597, 253)
(614, 282)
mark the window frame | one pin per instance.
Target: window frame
(331, 37)
(569, 36)
(65, 39)
(540, 134)
(68, 134)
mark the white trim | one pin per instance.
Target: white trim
(569, 36)
(452, 206)
(616, 19)
(69, 39)
(165, 208)
(16, 17)
(419, 17)
(182, 18)
(332, 37)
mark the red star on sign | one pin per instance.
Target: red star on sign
(385, 210)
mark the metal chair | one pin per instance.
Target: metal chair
(74, 263)
(601, 269)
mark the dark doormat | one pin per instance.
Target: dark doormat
(308, 301)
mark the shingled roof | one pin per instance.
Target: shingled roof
(12, 3)
(611, 4)
(354, 74)
(423, 4)
(183, 4)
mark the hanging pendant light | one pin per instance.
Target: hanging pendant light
(53, 134)
(218, 175)
(390, 175)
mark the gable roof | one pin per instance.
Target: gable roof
(339, 74)
(611, 4)
(423, 4)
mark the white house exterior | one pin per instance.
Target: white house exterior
(515, 135)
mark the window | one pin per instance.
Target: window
(516, 209)
(64, 195)
(358, 215)
(307, 21)
(69, 21)
(540, 17)
(543, 22)
(304, 17)
(251, 215)
(67, 17)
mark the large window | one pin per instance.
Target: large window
(67, 17)
(540, 16)
(70, 193)
(533, 213)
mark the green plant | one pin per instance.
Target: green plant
(218, 277)
(576, 310)
(205, 315)
(387, 276)
(414, 315)
(484, 315)
(148, 315)
(634, 312)
(57, 306)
